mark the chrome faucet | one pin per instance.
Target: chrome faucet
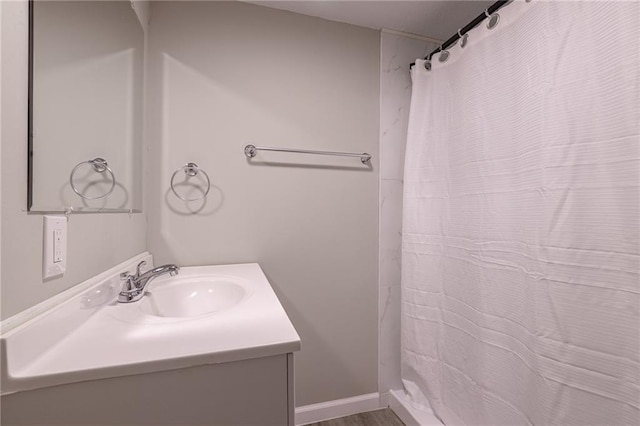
(135, 285)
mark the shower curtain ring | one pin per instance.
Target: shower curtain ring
(463, 39)
(494, 18)
(444, 54)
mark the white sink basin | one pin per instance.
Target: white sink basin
(192, 296)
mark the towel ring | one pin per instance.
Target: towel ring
(191, 170)
(99, 165)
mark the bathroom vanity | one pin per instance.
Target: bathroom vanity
(212, 345)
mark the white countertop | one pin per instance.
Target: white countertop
(118, 339)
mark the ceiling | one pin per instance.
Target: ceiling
(438, 19)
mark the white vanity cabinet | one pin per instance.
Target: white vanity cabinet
(90, 360)
(250, 392)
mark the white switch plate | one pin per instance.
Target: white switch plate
(54, 250)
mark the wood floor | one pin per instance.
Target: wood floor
(384, 417)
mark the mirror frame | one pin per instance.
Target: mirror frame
(30, 113)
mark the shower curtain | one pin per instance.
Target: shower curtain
(520, 248)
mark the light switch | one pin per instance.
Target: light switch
(54, 250)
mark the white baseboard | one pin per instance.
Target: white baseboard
(337, 408)
(384, 400)
(409, 415)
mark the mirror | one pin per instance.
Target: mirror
(85, 106)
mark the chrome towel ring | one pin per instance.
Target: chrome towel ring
(99, 165)
(190, 170)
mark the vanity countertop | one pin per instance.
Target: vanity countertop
(115, 339)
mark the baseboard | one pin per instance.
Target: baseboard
(409, 415)
(384, 400)
(337, 408)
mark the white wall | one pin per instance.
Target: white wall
(95, 242)
(223, 74)
(396, 53)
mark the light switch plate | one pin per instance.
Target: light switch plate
(54, 249)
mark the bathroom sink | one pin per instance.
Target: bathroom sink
(192, 296)
(205, 315)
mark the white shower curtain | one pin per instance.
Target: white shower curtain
(520, 282)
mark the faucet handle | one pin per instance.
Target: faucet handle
(173, 271)
(140, 265)
(126, 276)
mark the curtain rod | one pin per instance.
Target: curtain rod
(451, 40)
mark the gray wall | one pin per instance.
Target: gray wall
(226, 74)
(95, 242)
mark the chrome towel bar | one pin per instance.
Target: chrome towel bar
(251, 150)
